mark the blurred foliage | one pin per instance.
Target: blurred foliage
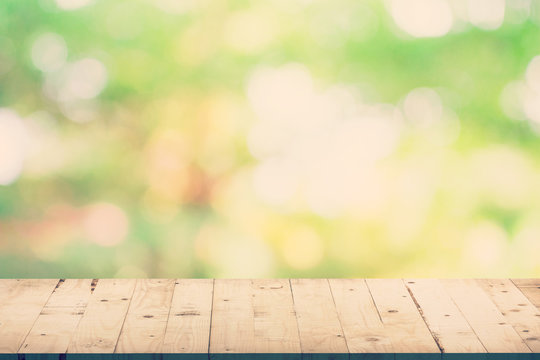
(189, 138)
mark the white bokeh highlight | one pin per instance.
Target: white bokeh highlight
(321, 148)
(81, 80)
(486, 14)
(72, 4)
(520, 99)
(49, 52)
(422, 18)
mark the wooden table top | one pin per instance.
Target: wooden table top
(270, 316)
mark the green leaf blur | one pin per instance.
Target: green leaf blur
(284, 138)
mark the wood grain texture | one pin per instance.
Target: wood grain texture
(516, 309)
(100, 326)
(253, 316)
(533, 294)
(318, 323)
(362, 325)
(354, 319)
(446, 323)
(59, 318)
(485, 319)
(21, 302)
(530, 288)
(188, 327)
(403, 323)
(526, 282)
(146, 319)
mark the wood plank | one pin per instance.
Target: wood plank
(533, 294)
(526, 282)
(253, 316)
(446, 323)
(100, 326)
(53, 328)
(516, 309)
(146, 319)
(403, 323)
(318, 323)
(6, 286)
(483, 316)
(279, 318)
(362, 325)
(21, 301)
(71, 293)
(188, 327)
(530, 288)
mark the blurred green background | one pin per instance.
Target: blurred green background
(283, 138)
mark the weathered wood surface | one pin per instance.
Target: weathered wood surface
(224, 317)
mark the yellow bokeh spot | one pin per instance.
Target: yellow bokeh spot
(303, 249)
(250, 31)
(167, 164)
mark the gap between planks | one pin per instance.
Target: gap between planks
(268, 316)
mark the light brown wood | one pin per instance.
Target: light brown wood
(291, 319)
(362, 325)
(21, 302)
(318, 323)
(102, 321)
(526, 282)
(6, 287)
(446, 323)
(59, 318)
(533, 294)
(485, 319)
(516, 309)
(146, 319)
(530, 288)
(403, 323)
(188, 327)
(253, 316)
